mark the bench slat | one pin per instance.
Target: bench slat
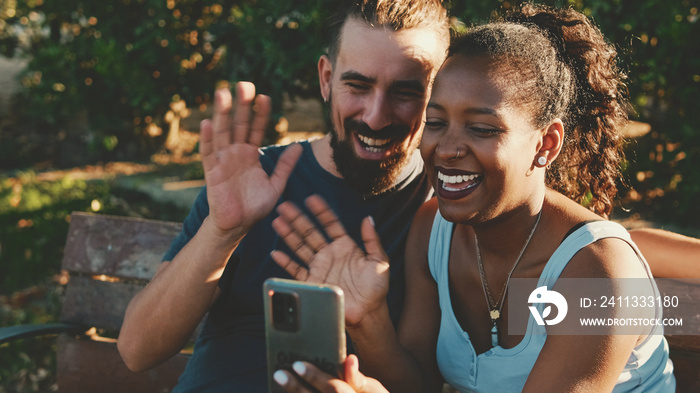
(101, 304)
(85, 365)
(97, 303)
(688, 310)
(117, 246)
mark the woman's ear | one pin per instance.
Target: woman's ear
(551, 143)
(325, 74)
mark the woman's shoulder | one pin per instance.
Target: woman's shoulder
(419, 235)
(426, 213)
(609, 255)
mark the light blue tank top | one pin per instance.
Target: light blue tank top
(505, 370)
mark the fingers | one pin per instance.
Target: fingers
(355, 381)
(298, 232)
(245, 93)
(289, 382)
(353, 376)
(285, 166)
(313, 376)
(206, 143)
(325, 216)
(220, 119)
(285, 262)
(262, 108)
(373, 244)
(240, 128)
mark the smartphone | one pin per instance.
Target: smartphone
(303, 322)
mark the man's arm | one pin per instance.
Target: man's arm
(162, 317)
(669, 254)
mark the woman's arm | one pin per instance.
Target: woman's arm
(593, 362)
(408, 363)
(363, 276)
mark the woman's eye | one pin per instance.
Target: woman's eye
(434, 124)
(482, 131)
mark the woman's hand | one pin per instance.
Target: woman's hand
(363, 276)
(354, 380)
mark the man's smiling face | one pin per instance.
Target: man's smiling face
(378, 89)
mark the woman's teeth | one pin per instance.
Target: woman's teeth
(374, 145)
(449, 182)
(456, 179)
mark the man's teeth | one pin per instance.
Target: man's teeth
(375, 145)
(456, 179)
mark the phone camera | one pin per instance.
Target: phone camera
(285, 311)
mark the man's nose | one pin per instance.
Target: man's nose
(377, 114)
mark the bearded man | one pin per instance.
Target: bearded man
(376, 79)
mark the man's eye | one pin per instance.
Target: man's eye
(406, 94)
(356, 87)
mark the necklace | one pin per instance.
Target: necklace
(495, 308)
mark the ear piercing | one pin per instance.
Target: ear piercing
(541, 160)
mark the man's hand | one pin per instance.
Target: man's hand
(363, 276)
(239, 191)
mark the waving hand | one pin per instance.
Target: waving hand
(363, 276)
(239, 191)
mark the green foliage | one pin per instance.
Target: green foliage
(659, 48)
(120, 65)
(663, 54)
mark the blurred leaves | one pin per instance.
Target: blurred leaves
(119, 65)
(659, 47)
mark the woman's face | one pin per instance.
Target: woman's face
(471, 112)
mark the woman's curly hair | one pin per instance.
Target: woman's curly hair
(561, 66)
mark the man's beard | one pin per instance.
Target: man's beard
(369, 177)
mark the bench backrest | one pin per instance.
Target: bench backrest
(685, 346)
(109, 259)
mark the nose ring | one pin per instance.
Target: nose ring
(459, 153)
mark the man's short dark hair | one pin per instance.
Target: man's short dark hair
(393, 14)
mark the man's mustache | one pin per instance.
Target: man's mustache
(389, 132)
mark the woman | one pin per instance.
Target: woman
(521, 129)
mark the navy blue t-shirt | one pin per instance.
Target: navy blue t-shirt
(229, 355)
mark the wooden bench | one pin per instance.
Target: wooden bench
(109, 259)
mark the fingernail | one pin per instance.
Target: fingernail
(371, 220)
(280, 377)
(299, 368)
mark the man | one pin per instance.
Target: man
(376, 79)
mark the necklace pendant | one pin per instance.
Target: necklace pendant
(495, 314)
(494, 335)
